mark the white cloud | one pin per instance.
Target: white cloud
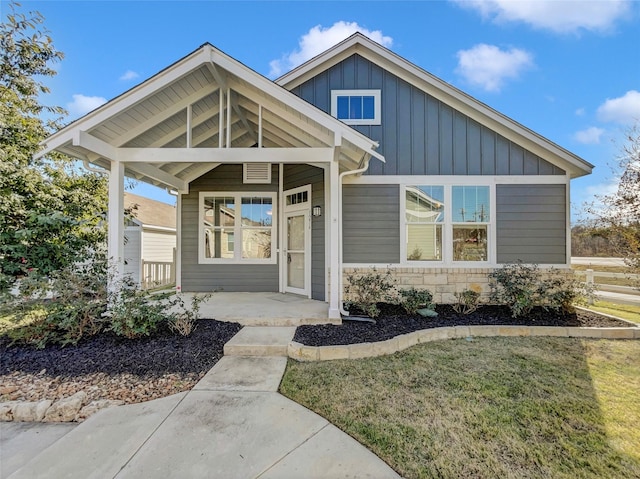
(82, 104)
(129, 75)
(589, 136)
(318, 39)
(567, 16)
(580, 112)
(489, 67)
(624, 109)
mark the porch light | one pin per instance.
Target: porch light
(317, 211)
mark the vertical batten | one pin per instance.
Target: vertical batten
(228, 140)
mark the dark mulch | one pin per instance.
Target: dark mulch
(393, 321)
(165, 352)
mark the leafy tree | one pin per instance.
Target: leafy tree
(618, 216)
(50, 211)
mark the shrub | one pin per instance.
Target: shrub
(184, 322)
(366, 290)
(413, 299)
(467, 301)
(134, 313)
(522, 287)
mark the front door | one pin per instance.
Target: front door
(297, 244)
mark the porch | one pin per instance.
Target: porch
(263, 309)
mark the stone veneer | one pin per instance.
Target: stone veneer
(441, 282)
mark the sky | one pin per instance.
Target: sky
(567, 69)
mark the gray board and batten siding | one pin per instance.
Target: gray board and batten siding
(225, 277)
(250, 277)
(301, 175)
(420, 135)
(531, 223)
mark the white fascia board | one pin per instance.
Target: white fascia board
(440, 90)
(127, 99)
(224, 155)
(89, 142)
(288, 98)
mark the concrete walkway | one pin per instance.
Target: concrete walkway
(232, 424)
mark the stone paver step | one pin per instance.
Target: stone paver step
(260, 341)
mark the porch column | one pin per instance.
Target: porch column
(115, 237)
(334, 241)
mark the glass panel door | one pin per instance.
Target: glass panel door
(295, 253)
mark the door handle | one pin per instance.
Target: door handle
(288, 258)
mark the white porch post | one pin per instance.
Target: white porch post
(334, 240)
(115, 238)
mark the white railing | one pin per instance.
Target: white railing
(157, 273)
(591, 274)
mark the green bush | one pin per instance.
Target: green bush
(184, 322)
(522, 287)
(366, 290)
(413, 299)
(467, 301)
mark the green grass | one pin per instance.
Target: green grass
(625, 311)
(491, 407)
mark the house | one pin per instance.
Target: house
(150, 241)
(356, 159)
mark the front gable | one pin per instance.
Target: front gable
(428, 126)
(419, 134)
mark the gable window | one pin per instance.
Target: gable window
(247, 217)
(444, 223)
(356, 107)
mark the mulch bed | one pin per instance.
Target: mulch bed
(109, 367)
(394, 321)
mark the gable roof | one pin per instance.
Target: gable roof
(203, 101)
(441, 90)
(148, 212)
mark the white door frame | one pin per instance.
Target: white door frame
(303, 208)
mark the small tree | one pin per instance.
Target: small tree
(50, 212)
(618, 216)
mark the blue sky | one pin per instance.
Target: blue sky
(569, 70)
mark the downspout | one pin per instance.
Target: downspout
(340, 243)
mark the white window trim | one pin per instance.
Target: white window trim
(448, 224)
(377, 106)
(237, 195)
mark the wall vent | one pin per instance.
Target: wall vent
(256, 173)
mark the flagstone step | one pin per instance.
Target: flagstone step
(260, 341)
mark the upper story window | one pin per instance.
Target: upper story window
(356, 107)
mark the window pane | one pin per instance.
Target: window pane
(256, 243)
(368, 108)
(355, 108)
(424, 242)
(218, 243)
(471, 204)
(343, 107)
(219, 211)
(470, 243)
(256, 211)
(425, 204)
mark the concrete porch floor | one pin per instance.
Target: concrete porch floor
(263, 309)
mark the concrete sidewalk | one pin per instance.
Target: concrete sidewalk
(232, 424)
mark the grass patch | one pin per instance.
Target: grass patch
(625, 311)
(491, 407)
(608, 269)
(603, 269)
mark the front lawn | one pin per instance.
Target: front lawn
(626, 311)
(489, 407)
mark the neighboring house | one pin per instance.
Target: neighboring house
(356, 159)
(150, 240)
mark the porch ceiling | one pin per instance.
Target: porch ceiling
(205, 101)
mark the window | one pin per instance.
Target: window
(439, 215)
(356, 107)
(471, 217)
(247, 217)
(424, 218)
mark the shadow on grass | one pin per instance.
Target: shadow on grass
(491, 407)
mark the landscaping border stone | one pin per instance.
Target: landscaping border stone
(301, 352)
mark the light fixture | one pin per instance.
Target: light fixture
(317, 211)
